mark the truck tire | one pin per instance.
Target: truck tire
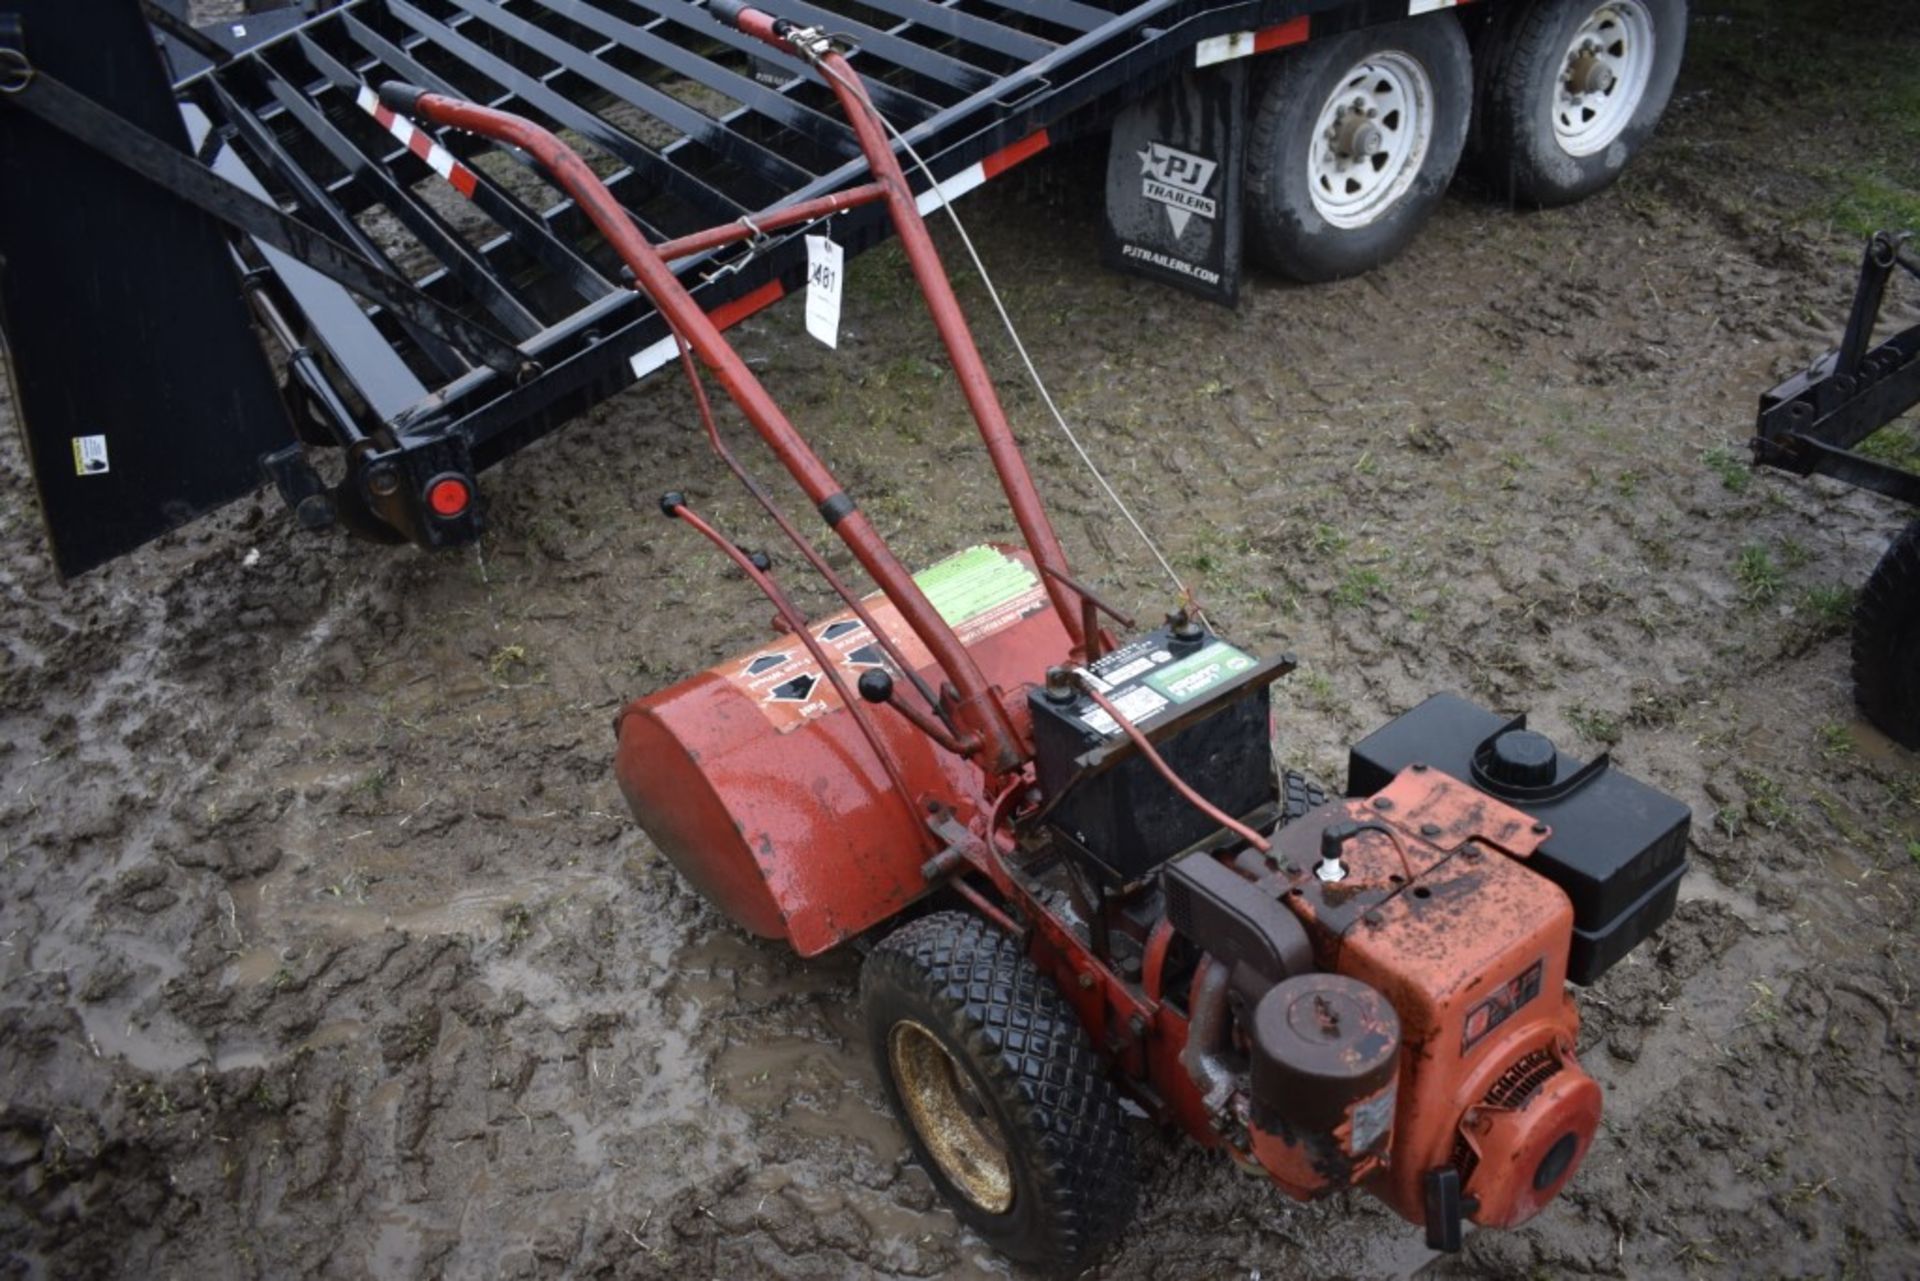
(1005, 1104)
(1568, 92)
(1353, 143)
(1886, 642)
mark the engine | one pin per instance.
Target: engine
(1381, 1001)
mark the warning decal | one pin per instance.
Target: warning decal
(89, 455)
(978, 592)
(1501, 1006)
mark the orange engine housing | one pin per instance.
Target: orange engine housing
(1432, 906)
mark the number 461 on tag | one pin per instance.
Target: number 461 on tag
(824, 278)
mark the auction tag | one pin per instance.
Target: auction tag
(824, 260)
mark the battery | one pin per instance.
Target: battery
(1127, 820)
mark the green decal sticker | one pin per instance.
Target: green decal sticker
(967, 585)
(1197, 673)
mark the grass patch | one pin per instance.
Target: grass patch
(1836, 741)
(1759, 578)
(1594, 725)
(1767, 803)
(1359, 586)
(1730, 467)
(1853, 63)
(1897, 444)
(1327, 540)
(1864, 203)
(1828, 609)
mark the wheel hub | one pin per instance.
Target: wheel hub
(1355, 136)
(950, 1117)
(1589, 73)
(1371, 139)
(1603, 77)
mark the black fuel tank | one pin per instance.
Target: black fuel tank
(1618, 847)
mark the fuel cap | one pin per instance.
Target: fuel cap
(1522, 758)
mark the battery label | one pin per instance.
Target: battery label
(1197, 673)
(1135, 704)
(1126, 673)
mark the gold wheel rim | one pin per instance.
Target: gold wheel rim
(950, 1117)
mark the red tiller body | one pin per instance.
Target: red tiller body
(754, 778)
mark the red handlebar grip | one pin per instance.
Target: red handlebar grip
(400, 97)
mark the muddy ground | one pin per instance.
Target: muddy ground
(327, 948)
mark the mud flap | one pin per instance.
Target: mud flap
(1174, 170)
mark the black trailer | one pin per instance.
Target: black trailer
(222, 261)
(1814, 424)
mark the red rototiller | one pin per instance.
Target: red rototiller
(1369, 992)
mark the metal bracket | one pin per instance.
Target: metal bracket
(1810, 423)
(16, 70)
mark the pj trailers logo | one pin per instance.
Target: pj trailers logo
(1177, 180)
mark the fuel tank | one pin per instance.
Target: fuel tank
(755, 780)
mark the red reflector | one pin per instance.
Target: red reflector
(449, 496)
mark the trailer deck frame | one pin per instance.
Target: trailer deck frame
(689, 123)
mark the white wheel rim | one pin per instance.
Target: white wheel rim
(1370, 140)
(1603, 77)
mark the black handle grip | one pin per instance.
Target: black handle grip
(401, 97)
(728, 11)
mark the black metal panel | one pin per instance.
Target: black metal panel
(652, 87)
(116, 300)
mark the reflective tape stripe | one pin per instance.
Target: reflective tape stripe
(419, 142)
(1244, 44)
(975, 174)
(652, 356)
(950, 189)
(658, 354)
